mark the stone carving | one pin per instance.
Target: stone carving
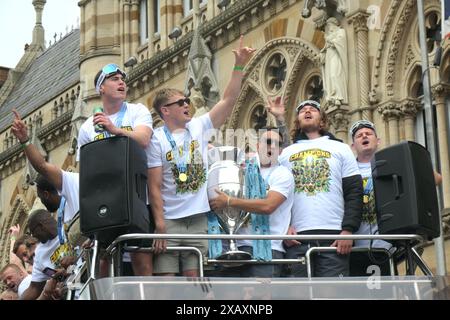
(198, 102)
(334, 63)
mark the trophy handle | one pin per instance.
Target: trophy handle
(243, 221)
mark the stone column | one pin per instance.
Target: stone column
(391, 113)
(134, 36)
(151, 27)
(359, 22)
(441, 94)
(165, 25)
(116, 27)
(126, 29)
(82, 30)
(93, 27)
(178, 12)
(409, 109)
(339, 119)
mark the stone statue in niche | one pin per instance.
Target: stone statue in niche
(334, 61)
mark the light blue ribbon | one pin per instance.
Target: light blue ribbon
(119, 119)
(214, 245)
(255, 188)
(182, 160)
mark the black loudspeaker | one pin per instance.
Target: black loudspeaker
(405, 191)
(113, 188)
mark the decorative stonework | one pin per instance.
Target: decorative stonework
(305, 51)
(258, 117)
(275, 72)
(359, 21)
(395, 46)
(18, 214)
(387, 25)
(219, 31)
(440, 89)
(314, 88)
(293, 52)
(390, 110)
(410, 107)
(409, 57)
(255, 74)
(340, 120)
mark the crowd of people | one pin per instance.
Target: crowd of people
(311, 183)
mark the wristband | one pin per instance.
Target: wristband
(25, 143)
(238, 68)
(228, 202)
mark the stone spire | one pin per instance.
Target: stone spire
(200, 75)
(38, 31)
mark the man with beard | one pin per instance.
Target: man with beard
(328, 195)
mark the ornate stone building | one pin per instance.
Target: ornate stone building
(188, 44)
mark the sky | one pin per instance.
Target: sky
(17, 20)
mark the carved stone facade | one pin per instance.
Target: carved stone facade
(384, 83)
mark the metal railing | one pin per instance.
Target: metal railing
(115, 248)
(118, 246)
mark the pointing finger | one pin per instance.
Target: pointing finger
(16, 114)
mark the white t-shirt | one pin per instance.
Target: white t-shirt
(369, 216)
(183, 199)
(70, 191)
(48, 254)
(280, 180)
(24, 285)
(135, 115)
(318, 167)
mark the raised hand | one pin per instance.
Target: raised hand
(276, 107)
(19, 128)
(242, 54)
(14, 231)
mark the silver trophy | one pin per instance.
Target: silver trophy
(226, 174)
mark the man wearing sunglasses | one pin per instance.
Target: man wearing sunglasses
(178, 166)
(119, 118)
(277, 204)
(327, 195)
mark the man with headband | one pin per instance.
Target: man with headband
(327, 194)
(117, 117)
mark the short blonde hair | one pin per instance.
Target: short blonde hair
(161, 97)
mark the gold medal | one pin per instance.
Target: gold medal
(366, 199)
(183, 177)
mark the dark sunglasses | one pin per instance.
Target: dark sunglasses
(180, 102)
(270, 142)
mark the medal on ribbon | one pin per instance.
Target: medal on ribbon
(182, 176)
(180, 157)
